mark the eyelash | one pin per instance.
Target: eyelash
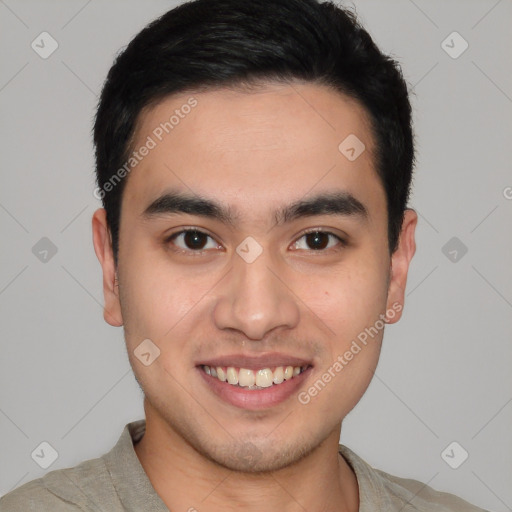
(343, 243)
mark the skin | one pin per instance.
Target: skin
(255, 151)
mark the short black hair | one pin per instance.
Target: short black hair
(205, 44)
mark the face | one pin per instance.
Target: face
(250, 243)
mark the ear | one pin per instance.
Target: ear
(400, 261)
(103, 247)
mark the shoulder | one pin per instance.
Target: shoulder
(85, 486)
(421, 497)
(392, 493)
(35, 496)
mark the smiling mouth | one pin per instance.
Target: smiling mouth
(254, 379)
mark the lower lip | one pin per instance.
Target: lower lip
(255, 399)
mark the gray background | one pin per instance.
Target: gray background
(445, 372)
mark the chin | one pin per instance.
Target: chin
(256, 457)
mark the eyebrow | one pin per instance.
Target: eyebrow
(339, 203)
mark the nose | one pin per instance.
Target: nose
(255, 298)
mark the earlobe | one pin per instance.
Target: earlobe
(102, 241)
(400, 261)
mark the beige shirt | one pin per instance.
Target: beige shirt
(116, 482)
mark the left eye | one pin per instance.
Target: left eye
(318, 240)
(192, 239)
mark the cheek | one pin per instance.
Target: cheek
(160, 305)
(153, 297)
(166, 303)
(347, 299)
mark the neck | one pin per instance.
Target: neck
(186, 480)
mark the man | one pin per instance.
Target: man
(254, 160)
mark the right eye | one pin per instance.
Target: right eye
(192, 240)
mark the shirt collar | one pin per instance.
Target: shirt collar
(132, 485)
(372, 494)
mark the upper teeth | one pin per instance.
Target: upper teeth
(253, 379)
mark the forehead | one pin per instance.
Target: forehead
(259, 146)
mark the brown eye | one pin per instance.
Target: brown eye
(318, 241)
(193, 240)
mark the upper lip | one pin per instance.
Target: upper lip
(251, 362)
